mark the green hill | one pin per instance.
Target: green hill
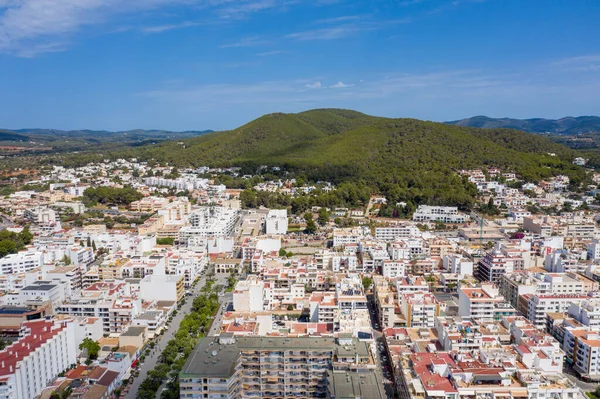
(405, 159)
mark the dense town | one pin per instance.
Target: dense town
(122, 279)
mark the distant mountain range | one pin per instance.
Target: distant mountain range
(44, 140)
(568, 125)
(141, 133)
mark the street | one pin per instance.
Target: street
(151, 360)
(379, 350)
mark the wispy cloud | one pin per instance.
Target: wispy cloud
(343, 18)
(340, 85)
(451, 93)
(29, 27)
(584, 63)
(164, 28)
(338, 32)
(315, 85)
(269, 53)
(453, 4)
(251, 41)
(344, 30)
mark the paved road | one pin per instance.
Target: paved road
(152, 359)
(381, 356)
(226, 300)
(573, 376)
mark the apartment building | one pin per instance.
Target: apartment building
(21, 262)
(276, 221)
(343, 237)
(149, 204)
(41, 215)
(214, 221)
(419, 309)
(539, 305)
(162, 287)
(391, 233)
(479, 303)
(44, 349)
(186, 263)
(514, 285)
(249, 295)
(257, 367)
(40, 292)
(499, 261)
(394, 268)
(108, 300)
(582, 349)
(587, 313)
(458, 264)
(444, 214)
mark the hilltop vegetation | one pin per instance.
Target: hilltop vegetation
(405, 159)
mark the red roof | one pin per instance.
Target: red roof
(40, 331)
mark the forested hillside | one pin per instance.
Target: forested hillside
(406, 159)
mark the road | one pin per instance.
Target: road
(379, 350)
(161, 343)
(573, 376)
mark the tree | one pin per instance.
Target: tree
(165, 241)
(367, 282)
(323, 216)
(66, 260)
(91, 346)
(282, 252)
(311, 226)
(94, 245)
(89, 242)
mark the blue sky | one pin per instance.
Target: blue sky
(216, 64)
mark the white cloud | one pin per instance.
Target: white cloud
(30, 26)
(324, 34)
(340, 85)
(584, 63)
(316, 85)
(268, 53)
(250, 41)
(343, 18)
(165, 28)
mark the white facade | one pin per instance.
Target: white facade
(21, 262)
(44, 350)
(390, 233)
(248, 295)
(208, 222)
(445, 214)
(276, 222)
(161, 288)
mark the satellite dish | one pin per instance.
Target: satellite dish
(214, 353)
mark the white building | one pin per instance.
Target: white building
(457, 264)
(479, 303)
(21, 262)
(162, 288)
(43, 291)
(540, 305)
(444, 214)
(391, 233)
(44, 349)
(394, 268)
(207, 222)
(40, 215)
(276, 222)
(249, 295)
